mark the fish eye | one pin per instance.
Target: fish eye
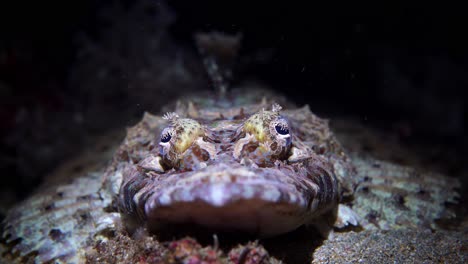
(167, 134)
(266, 137)
(166, 137)
(282, 129)
(182, 135)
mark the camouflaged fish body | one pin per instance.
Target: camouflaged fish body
(244, 168)
(59, 220)
(238, 163)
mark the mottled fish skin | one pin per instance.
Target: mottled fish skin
(235, 189)
(58, 221)
(67, 217)
(259, 194)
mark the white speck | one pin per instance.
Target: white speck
(217, 195)
(185, 196)
(107, 221)
(272, 194)
(292, 198)
(248, 192)
(164, 199)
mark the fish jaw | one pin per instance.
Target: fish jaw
(263, 201)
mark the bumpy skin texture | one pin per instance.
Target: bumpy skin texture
(242, 167)
(216, 177)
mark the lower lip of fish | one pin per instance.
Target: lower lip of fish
(253, 208)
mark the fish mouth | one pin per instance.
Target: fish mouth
(232, 196)
(265, 201)
(252, 216)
